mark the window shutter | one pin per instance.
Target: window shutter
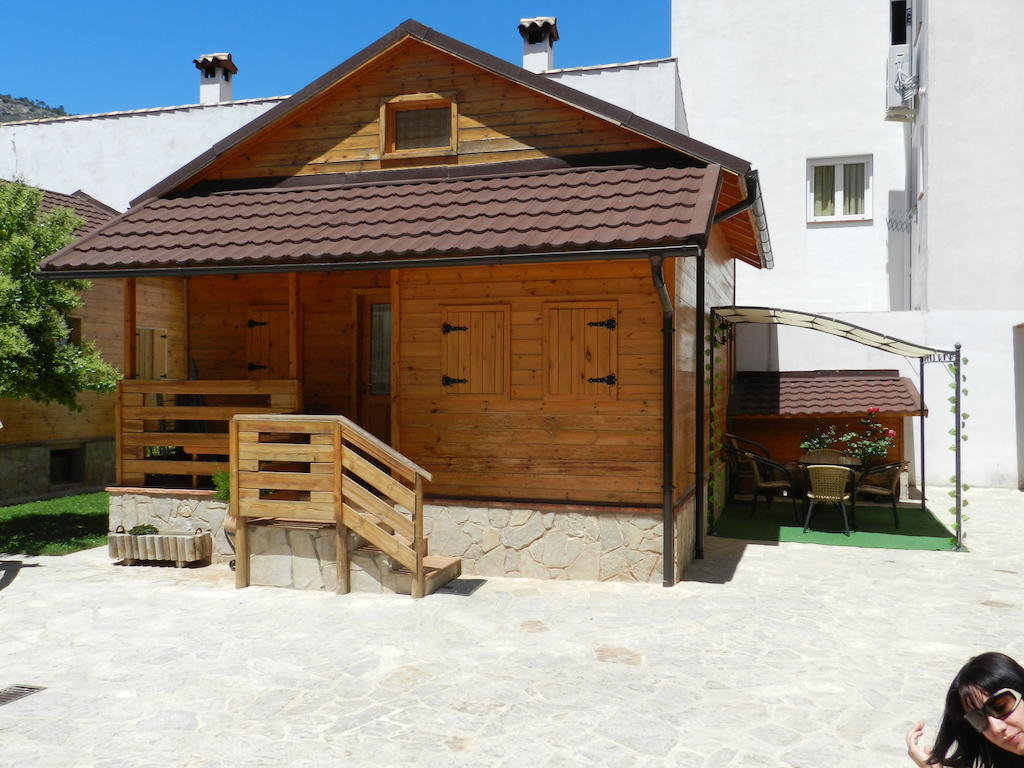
(581, 350)
(475, 350)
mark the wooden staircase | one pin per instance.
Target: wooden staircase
(328, 469)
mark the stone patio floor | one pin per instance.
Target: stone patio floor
(767, 655)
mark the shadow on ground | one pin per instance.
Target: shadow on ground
(52, 534)
(9, 571)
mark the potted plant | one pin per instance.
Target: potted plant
(819, 439)
(871, 443)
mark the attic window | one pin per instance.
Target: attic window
(418, 124)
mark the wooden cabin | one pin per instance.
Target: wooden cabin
(499, 277)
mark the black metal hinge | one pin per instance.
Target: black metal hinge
(257, 367)
(609, 380)
(609, 324)
(254, 323)
(447, 381)
(448, 328)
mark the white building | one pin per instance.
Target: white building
(914, 231)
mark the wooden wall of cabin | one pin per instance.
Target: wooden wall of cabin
(25, 421)
(782, 436)
(498, 120)
(221, 306)
(719, 289)
(160, 307)
(600, 447)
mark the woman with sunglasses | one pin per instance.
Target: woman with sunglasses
(983, 723)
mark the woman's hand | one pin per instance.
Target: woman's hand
(918, 753)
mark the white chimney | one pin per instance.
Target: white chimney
(215, 73)
(539, 37)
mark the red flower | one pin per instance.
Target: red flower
(872, 411)
(890, 433)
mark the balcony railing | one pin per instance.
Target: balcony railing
(174, 434)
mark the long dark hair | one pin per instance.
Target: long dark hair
(957, 744)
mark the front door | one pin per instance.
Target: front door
(373, 385)
(267, 343)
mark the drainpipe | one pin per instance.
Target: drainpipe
(667, 432)
(698, 464)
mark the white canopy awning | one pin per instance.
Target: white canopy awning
(825, 324)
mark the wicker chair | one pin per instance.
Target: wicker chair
(882, 482)
(828, 485)
(739, 466)
(771, 479)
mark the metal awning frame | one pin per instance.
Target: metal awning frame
(725, 317)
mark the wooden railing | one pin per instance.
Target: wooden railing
(327, 469)
(176, 432)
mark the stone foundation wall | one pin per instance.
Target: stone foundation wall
(491, 541)
(171, 510)
(25, 470)
(543, 544)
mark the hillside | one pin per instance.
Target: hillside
(22, 108)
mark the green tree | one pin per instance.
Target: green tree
(38, 360)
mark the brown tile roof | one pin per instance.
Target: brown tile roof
(822, 393)
(91, 210)
(536, 212)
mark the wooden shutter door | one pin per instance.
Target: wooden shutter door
(474, 350)
(581, 350)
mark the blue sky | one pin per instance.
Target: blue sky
(103, 56)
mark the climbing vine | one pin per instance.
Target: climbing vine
(714, 381)
(964, 416)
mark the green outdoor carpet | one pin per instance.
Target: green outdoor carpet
(919, 529)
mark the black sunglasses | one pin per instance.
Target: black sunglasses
(999, 705)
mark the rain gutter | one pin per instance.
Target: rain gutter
(754, 202)
(607, 254)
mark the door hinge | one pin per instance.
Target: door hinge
(257, 367)
(609, 380)
(609, 324)
(447, 381)
(254, 323)
(448, 328)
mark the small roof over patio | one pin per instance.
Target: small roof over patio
(768, 394)
(726, 316)
(826, 324)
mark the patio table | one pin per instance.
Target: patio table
(843, 461)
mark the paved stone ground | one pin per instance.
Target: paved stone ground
(768, 655)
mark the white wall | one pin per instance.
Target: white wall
(975, 155)
(778, 83)
(117, 156)
(648, 88)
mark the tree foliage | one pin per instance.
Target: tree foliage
(38, 360)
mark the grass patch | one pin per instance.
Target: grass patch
(54, 526)
(919, 529)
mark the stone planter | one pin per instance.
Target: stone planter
(181, 547)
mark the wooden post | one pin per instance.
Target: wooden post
(234, 508)
(129, 328)
(294, 327)
(395, 367)
(118, 438)
(340, 529)
(419, 543)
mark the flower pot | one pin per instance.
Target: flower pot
(180, 546)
